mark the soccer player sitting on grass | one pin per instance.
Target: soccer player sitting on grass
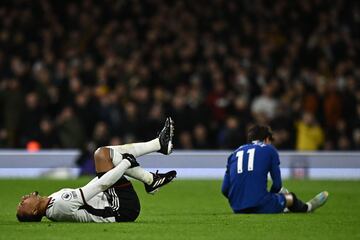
(110, 197)
(245, 181)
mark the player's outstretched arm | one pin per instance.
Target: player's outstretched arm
(225, 185)
(275, 173)
(226, 182)
(109, 178)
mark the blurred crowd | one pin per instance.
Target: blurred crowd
(82, 74)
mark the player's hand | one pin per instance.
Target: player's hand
(284, 190)
(131, 159)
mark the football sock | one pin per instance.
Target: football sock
(298, 205)
(138, 149)
(140, 174)
(116, 156)
(309, 207)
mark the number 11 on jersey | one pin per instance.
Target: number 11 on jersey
(240, 158)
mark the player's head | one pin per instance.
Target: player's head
(259, 133)
(28, 209)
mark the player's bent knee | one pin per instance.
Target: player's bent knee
(101, 154)
(103, 162)
(289, 197)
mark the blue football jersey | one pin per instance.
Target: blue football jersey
(245, 181)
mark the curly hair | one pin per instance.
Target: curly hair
(259, 132)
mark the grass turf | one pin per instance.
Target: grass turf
(192, 209)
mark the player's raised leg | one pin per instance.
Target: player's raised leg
(162, 143)
(104, 161)
(110, 156)
(105, 158)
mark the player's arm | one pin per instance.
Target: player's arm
(107, 180)
(275, 172)
(226, 182)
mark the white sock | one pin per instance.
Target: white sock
(137, 172)
(309, 207)
(136, 149)
(116, 157)
(140, 174)
(139, 149)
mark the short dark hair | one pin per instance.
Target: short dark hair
(28, 218)
(259, 132)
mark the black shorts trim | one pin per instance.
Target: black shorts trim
(105, 213)
(129, 204)
(82, 196)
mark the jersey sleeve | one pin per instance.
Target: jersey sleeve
(226, 181)
(275, 171)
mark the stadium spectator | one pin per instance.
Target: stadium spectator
(310, 136)
(47, 135)
(201, 137)
(231, 134)
(265, 104)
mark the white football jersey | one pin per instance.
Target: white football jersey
(68, 205)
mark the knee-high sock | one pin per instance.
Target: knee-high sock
(136, 149)
(298, 205)
(140, 174)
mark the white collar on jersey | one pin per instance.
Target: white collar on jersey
(260, 143)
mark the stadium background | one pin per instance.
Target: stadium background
(76, 75)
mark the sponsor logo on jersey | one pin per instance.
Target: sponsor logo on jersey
(66, 196)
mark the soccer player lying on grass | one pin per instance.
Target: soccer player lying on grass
(110, 197)
(245, 181)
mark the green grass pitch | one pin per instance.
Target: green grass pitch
(193, 209)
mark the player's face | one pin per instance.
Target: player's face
(28, 204)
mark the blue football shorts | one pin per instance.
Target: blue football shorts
(275, 204)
